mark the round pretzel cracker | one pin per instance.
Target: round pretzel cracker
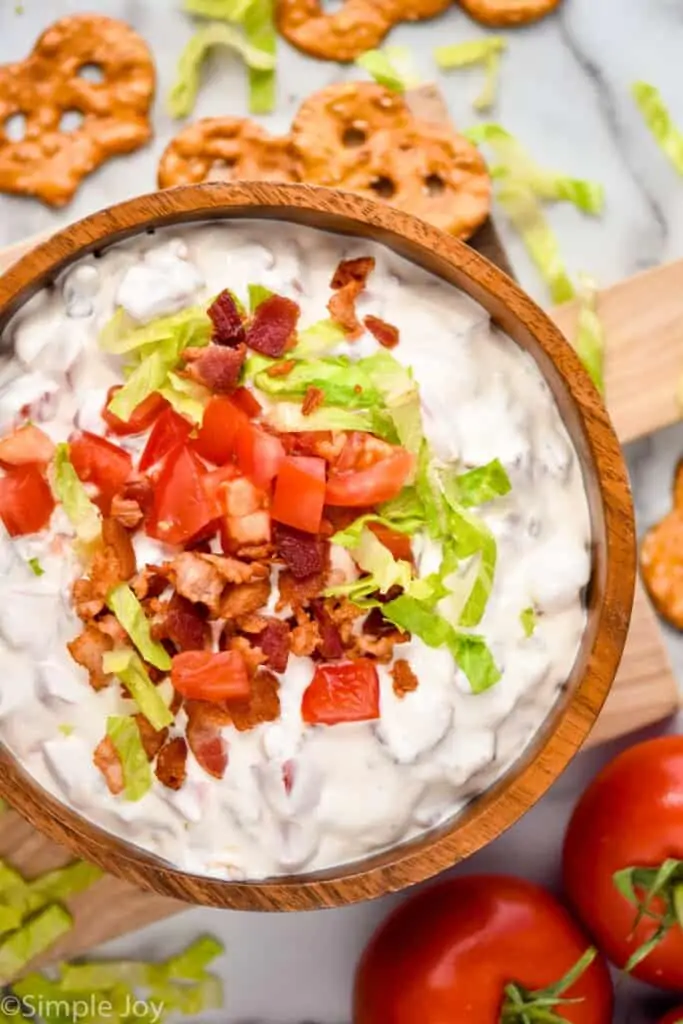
(428, 171)
(661, 559)
(50, 161)
(225, 148)
(502, 13)
(341, 35)
(333, 124)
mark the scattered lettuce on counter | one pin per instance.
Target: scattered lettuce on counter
(33, 938)
(127, 666)
(82, 513)
(123, 603)
(259, 29)
(392, 67)
(590, 333)
(487, 51)
(657, 118)
(52, 887)
(218, 10)
(137, 774)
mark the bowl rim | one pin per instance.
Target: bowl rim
(565, 728)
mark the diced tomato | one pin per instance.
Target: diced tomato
(26, 501)
(25, 446)
(98, 461)
(220, 426)
(398, 543)
(247, 401)
(181, 506)
(300, 493)
(169, 431)
(141, 418)
(379, 482)
(344, 692)
(258, 454)
(215, 482)
(202, 675)
(241, 497)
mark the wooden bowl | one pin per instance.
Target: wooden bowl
(610, 592)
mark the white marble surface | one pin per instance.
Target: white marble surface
(565, 94)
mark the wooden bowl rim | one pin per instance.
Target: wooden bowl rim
(565, 729)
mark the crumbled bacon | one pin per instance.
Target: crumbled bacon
(297, 593)
(342, 308)
(106, 758)
(171, 766)
(152, 739)
(88, 649)
(149, 582)
(282, 369)
(387, 335)
(304, 553)
(306, 442)
(256, 552)
(263, 704)
(215, 367)
(196, 579)
(204, 722)
(184, 625)
(111, 626)
(313, 399)
(126, 511)
(116, 537)
(357, 270)
(228, 328)
(244, 598)
(253, 656)
(304, 639)
(273, 326)
(404, 679)
(330, 646)
(343, 613)
(376, 625)
(235, 571)
(139, 490)
(381, 648)
(274, 642)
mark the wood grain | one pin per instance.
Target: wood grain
(613, 570)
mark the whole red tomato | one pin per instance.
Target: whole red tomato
(673, 1017)
(452, 952)
(631, 817)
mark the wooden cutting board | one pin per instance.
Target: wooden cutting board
(641, 317)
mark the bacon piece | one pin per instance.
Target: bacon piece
(110, 625)
(330, 646)
(253, 656)
(148, 583)
(273, 325)
(376, 625)
(235, 571)
(297, 593)
(381, 648)
(115, 536)
(106, 758)
(228, 328)
(274, 642)
(256, 552)
(184, 625)
(304, 639)
(342, 308)
(404, 679)
(151, 738)
(386, 334)
(282, 369)
(307, 442)
(357, 270)
(304, 553)
(244, 598)
(171, 766)
(343, 614)
(313, 399)
(126, 511)
(196, 579)
(204, 722)
(263, 704)
(215, 367)
(88, 649)
(140, 490)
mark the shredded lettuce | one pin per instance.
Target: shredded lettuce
(287, 417)
(82, 513)
(342, 381)
(189, 965)
(657, 118)
(188, 398)
(148, 376)
(405, 512)
(527, 617)
(36, 567)
(486, 51)
(473, 655)
(33, 938)
(376, 559)
(130, 670)
(350, 537)
(10, 918)
(54, 886)
(472, 538)
(137, 775)
(9, 878)
(430, 494)
(391, 378)
(392, 67)
(259, 29)
(476, 486)
(183, 94)
(190, 326)
(317, 339)
(590, 333)
(218, 10)
(258, 293)
(123, 603)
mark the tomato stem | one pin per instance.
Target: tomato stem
(522, 1006)
(642, 887)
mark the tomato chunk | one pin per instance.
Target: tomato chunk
(247, 401)
(202, 675)
(300, 493)
(181, 506)
(141, 418)
(26, 501)
(215, 483)
(169, 431)
(379, 482)
(259, 454)
(26, 445)
(398, 543)
(98, 461)
(220, 426)
(345, 692)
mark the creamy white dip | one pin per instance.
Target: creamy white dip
(358, 787)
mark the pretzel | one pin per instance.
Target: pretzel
(661, 558)
(50, 161)
(333, 124)
(502, 13)
(225, 147)
(359, 25)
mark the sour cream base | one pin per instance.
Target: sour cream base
(360, 787)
